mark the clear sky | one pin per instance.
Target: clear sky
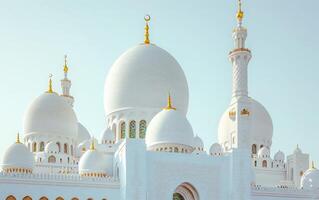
(283, 73)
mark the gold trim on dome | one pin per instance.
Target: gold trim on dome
(147, 18)
(169, 103)
(232, 113)
(240, 49)
(245, 111)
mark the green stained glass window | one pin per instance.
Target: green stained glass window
(142, 130)
(132, 129)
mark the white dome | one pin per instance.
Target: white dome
(83, 133)
(50, 114)
(261, 130)
(198, 142)
(279, 156)
(107, 135)
(52, 147)
(169, 127)
(140, 71)
(95, 163)
(17, 156)
(216, 149)
(310, 179)
(264, 153)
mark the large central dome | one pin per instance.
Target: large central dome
(142, 78)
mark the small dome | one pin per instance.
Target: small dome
(279, 156)
(52, 147)
(261, 130)
(50, 114)
(83, 133)
(108, 136)
(310, 179)
(216, 150)
(95, 163)
(264, 153)
(17, 157)
(169, 127)
(198, 143)
(140, 71)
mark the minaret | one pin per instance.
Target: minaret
(240, 57)
(66, 84)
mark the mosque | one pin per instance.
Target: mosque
(148, 150)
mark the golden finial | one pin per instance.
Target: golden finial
(92, 146)
(50, 90)
(240, 13)
(18, 138)
(169, 103)
(147, 18)
(65, 69)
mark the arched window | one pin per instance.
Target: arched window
(74, 198)
(142, 130)
(27, 198)
(59, 146)
(59, 198)
(132, 129)
(261, 146)
(51, 159)
(65, 148)
(11, 198)
(122, 130)
(264, 163)
(60, 160)
(90, 199)
(43, 198)
(41, 146)
(254, 149)
(34, 147)
(71, 148)
(255, 163)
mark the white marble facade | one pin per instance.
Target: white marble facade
(148, 150)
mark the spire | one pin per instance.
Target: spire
(240, 13)
(18, 138)
(50, 90)
(92, 146)
(65, 67)
(147, 18)
(169, 103)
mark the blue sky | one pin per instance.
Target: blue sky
(283, 73)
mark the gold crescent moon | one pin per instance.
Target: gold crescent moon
(147, 18)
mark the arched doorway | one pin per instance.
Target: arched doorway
(185, 191)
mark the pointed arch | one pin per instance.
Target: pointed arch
(122, 128)
(51, 159)
(254, 149)
(142, 129)
(185, 191)
(27, 198)
(43, 198)
(132, 132)
(34, 147)
(41, 146)
(11, 197)
(264, 163)
(59, 198)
